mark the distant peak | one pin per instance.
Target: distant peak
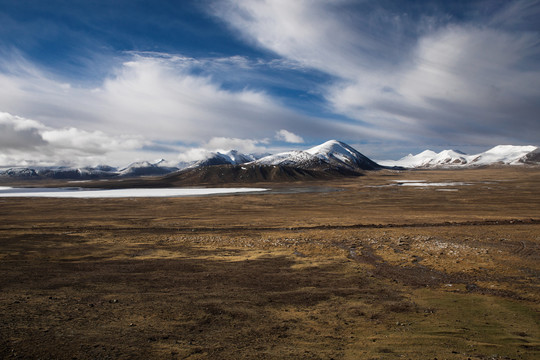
(329, 147)
(451, 152)
(427, 152)
(498, 155)
(333, 142)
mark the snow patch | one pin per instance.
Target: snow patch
(434, 184)
(408, 181)
(118, 193)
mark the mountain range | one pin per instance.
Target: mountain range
(330, 159)
(499, 155)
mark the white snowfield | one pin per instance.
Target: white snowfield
(426, 184)
(118, 193)
(501, 154)
(285, 158)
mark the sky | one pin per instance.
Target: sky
(111, 82)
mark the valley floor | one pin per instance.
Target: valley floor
(376, 270)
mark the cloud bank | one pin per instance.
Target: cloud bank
(29, 142)
(425, 75)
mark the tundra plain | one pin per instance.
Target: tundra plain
(356, 268)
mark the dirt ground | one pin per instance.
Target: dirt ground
(374, 270)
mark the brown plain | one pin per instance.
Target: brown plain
(372, 271)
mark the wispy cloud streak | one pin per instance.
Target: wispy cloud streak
(427, 75)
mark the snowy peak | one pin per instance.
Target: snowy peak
(288, 158)
(332, 147)
(145, 168)
(136, 165)
(238, 158)
(232, 157)
(332, 154)
(339, 154)
(19, 172)
(504, 154)
(449, 157)
(499, 155)
(160, 162)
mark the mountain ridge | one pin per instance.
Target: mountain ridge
(330, 155)
(331, 158)
(507, 155)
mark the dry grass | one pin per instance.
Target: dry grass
(368, 272)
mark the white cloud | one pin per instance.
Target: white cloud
(464, 82)
(289, 137)
(17, 133)
(152, 95)
(95, 142)
(242, 145)
(29, 142)
(439, 81)
(193, 154)
(306, 31)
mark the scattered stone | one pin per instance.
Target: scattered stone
(299, 254)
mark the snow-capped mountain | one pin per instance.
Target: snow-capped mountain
(59, 172)
(238, 158)
(135, 169)
(332, 154)
(145, 168)
(332, 158)
(503, 154)
(19, 172)
(532, 158)
(499, 155)
(232, 157)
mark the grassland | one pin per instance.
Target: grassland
(371, 271)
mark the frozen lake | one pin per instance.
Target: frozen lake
(118, 193)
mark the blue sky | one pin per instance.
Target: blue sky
(87, 82)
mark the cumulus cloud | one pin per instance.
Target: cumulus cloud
(17, 133)
(154, 95)
(242, 145)
(25, 141)
(95, 142)
(424, 76)
(289, 137)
